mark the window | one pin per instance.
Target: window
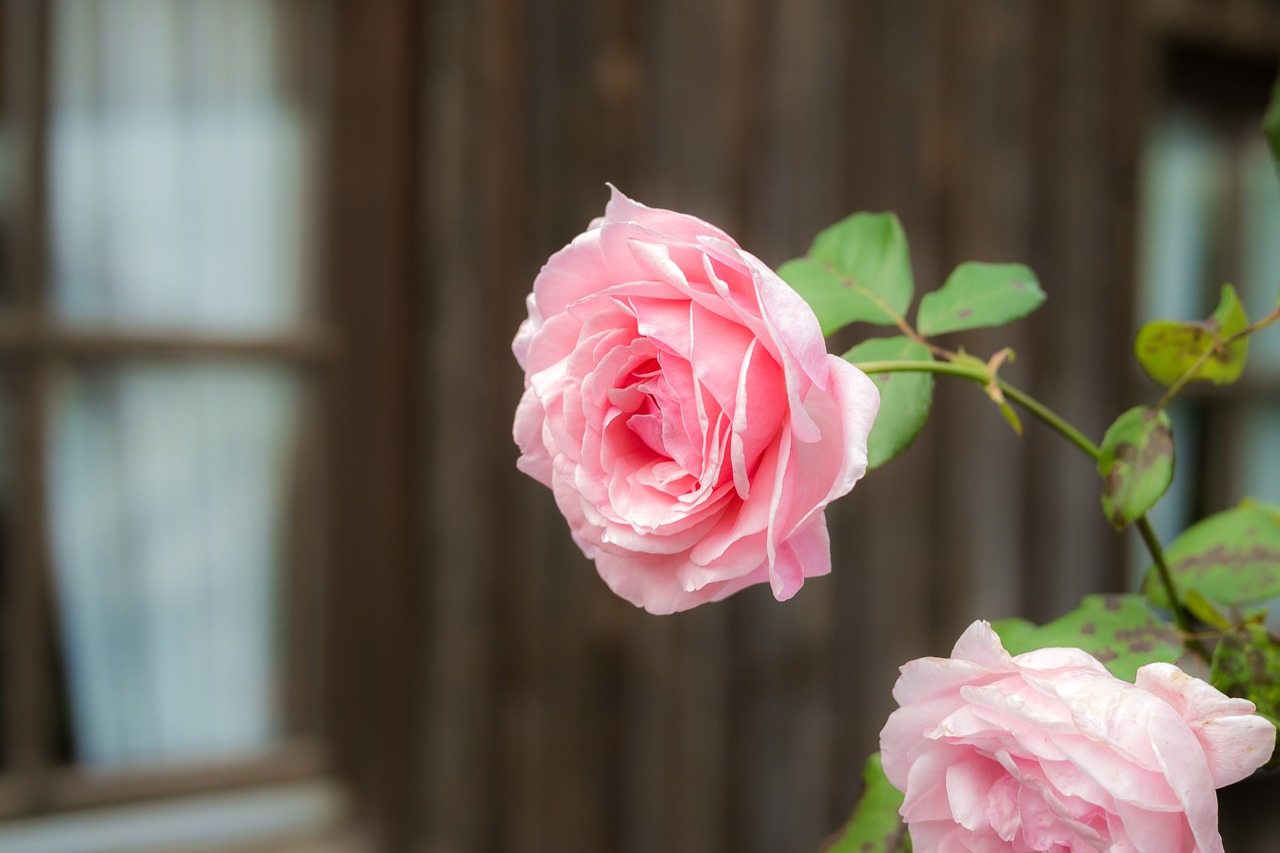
(165, 360)
(1211, 211)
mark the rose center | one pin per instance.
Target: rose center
(655, 413)
(637, 398)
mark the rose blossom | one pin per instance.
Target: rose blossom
(1049, 751)
(680, 403)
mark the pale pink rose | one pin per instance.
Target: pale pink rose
(1049, 751)
(680, 403)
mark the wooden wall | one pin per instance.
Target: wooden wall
(556, 717)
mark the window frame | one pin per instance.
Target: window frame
(353, 571)
(1246, 31)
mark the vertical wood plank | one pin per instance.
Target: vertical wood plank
(883, 530)
(29, 660)
(461, 808)
(374, 614)
(781, 759)
(1070, 548)
(987, 172)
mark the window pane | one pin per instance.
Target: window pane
(1184, 177)
(169, 492)
(1210, 214)
(181, 163)
(1261, 277)
(1261, 447)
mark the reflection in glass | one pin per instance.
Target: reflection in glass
(1261, 447)
(1184, 173)
(1260, 279)
(168, 487)
(180, 164)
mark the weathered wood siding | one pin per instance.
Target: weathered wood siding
(557, 718)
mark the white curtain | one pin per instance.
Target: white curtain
(168, 487)
(180, 175)
(180, 165)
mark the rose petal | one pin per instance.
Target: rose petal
(680, 226)
(806, 554)
(1236, 741)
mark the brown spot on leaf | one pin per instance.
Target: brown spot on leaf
(1123, 454)
(1144, 637)
(1105, 655)
(964, 312)
(1159, 446)
(1112, 602)
(1221, 558)
(1018, 285)
(1088, 628)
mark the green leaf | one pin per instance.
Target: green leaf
(1121, 631)
(904, 397)
(1016, 633)
(858, 270)
(1271, 125)
(1168, 349)
(875, 826)
(976, 296)
(1246, 664)
(1273, 509)
(1010, 416)
(1232, 558)
(1136, 464)
(1204, 609)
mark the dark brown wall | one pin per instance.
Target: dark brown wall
(557, 717)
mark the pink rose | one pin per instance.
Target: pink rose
(680, 403)
(1049, 751)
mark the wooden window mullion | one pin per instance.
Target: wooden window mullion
(27, 668)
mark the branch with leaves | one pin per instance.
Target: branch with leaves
(1204, 598)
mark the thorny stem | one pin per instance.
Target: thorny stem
(1073, 435)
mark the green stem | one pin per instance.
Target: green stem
(1152, 541)
(1067, 431)
(982, 377)
(1051, 418)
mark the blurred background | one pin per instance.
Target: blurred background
(269, 579)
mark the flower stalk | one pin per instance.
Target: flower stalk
(1150, 539)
